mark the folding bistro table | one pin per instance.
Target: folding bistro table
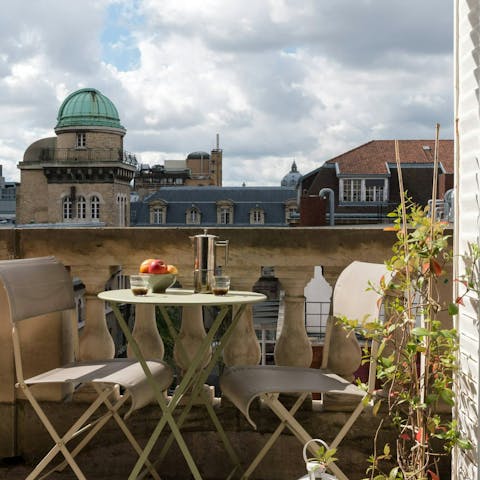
(194, 377)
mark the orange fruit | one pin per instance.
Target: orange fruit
(172, 269)
(145, 264)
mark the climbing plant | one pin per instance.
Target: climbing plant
(417, 353)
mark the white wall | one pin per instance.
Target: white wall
(317, 290)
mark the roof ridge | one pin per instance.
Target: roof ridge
(351, 150)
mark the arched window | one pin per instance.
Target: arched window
(158, 212)
(193, 216)
(225, 212)
(67, 208)
(122, 210)
(81, 208)
(95, 208)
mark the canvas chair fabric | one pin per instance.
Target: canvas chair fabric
(242, 384)
(38, 286)
(118, 371)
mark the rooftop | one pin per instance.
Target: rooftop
(377, 156)
(88, 107)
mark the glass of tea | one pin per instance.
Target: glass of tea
(221, 284)
(139, 284)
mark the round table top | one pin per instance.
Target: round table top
(179, 296)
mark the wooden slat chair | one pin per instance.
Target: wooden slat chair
(39, 286)
(242, 384)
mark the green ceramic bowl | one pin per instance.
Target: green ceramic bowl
(161, 281)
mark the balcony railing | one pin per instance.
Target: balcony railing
(96, 255)
(86, 155)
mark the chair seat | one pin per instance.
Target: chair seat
(125, 372)
(241, 384)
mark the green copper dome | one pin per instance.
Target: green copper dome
(88, 107)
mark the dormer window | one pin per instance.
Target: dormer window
(292, 215)
(158, 212)
(225, 212)
(370, 190)
(193, 216)
(257, 216)
(81, 140)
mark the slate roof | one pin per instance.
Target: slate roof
(375, 157)
(180, 199)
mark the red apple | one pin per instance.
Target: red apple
(157, 266)
(145, 264)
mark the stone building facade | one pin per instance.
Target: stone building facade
(361, 186)
(83, 175)
(8, 192)
(198, 169)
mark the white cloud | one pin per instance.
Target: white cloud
(278, 79)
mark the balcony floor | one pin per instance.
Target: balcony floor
(15, 469)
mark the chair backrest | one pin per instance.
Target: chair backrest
(36, 286)
(351, 296)
(353, 299)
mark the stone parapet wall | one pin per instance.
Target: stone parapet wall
(287, 248)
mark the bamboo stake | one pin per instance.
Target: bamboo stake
(435, 175)
(404, 215)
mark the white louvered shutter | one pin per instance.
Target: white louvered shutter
(467, 225)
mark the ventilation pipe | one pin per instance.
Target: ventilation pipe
(331, 197)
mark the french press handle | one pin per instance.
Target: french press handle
(224, 244)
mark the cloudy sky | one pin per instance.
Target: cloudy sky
(277, 79)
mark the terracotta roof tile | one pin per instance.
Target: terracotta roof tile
(373, 157)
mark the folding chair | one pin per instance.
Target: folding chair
(242, 384)
(39, 286)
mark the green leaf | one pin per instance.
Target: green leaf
(420, 332)
(447, 396)
(453, 309)
(465, 444)
(393, 473)
(376, 407)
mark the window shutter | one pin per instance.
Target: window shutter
(467, 224)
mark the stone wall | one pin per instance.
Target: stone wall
(94, 139)
(290, 250)
(31, 197)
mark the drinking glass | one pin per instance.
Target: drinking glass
(139, 284)
(221, 284)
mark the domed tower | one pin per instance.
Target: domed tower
(206, 168)
(292, 178)
(83, 174)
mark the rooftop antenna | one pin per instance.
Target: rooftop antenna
(218, 141)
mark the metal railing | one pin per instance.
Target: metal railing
(316, 316)
(87, 155)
